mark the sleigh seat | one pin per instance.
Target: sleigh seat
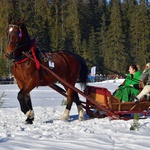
(104, 98)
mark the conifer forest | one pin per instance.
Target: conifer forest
(111, 34)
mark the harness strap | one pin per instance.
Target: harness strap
(34, 55)
(21, 61)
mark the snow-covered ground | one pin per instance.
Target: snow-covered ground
(48, 132)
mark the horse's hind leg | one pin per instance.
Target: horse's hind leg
(73, 96)
(79, 107)
(26, 106)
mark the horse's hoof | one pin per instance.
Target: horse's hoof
(81, 118)
(65, 119)
(29, 121)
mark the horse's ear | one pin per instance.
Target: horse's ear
(10, 19)
(19, 23)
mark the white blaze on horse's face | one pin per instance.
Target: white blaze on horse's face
(10, 29)
(13, 38)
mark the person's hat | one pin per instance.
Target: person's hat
(147, 67)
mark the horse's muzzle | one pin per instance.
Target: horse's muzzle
(9, 56)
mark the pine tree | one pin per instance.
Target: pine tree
(92, 48)
(73, 36)
(58, 32)
(41, 24)
(4, 7)
(90, 13)
(116, 39)
(85, 52)
(84, 18)
(144, 41)
(102, 38)
(126, 24)
(118, 30)
(4, 67)
(139, 33)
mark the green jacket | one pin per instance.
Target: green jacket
(125, 91)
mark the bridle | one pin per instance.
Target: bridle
(18, 35)
(20, 44)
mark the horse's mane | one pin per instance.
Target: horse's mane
(25, 31)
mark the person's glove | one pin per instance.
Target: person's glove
(141, 85)
(136, 86)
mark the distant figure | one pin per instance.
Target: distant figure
(144, 80)
(101, 77)
(96, 78)
(130, 86)
(91, 78)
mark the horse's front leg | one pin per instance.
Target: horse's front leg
(65, 116)
(26, 106)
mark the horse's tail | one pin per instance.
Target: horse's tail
(83, 76)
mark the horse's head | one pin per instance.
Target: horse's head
(17, 36)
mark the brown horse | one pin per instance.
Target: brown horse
(29, 74)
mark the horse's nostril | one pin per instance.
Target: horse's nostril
(11, 55)
(7, 55)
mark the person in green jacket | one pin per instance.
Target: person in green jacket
(130, 86)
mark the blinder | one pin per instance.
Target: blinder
(20, 33)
